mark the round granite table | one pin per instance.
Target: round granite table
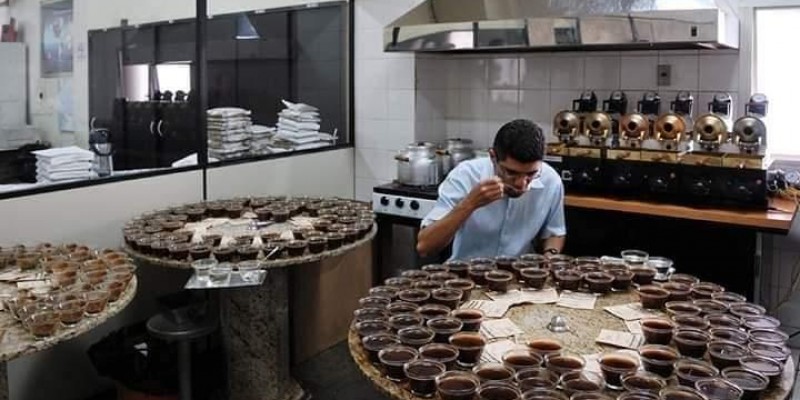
(255, 324)
(18, 342)
(585, 326)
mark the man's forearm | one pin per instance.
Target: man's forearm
(439, 234)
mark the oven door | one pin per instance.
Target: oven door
(397, 247)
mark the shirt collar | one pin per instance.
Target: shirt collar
(536, 184)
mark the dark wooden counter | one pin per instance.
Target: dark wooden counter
(778, 219)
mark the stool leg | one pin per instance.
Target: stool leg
(185, 369)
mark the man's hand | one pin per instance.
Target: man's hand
(485, 193)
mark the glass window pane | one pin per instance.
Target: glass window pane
(776, 71)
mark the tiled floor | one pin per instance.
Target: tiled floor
(332, 375)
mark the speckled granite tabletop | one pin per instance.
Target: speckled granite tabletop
(18, 342)
(280, 263)
(585, 325)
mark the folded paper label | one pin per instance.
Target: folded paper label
(629, 312)
(500, 329)
(580, 301)
(621, 339)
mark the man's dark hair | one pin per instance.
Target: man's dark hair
(520, 139)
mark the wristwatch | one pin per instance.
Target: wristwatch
(551, 251)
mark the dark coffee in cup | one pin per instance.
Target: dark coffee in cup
(659, 360)
(614, 365)
(471, 318)
(657, 330)
(422, 375)
(470, 346)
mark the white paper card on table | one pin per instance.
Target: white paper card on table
(621, 339)
(579, 301)
(493, 352)
(490, 308)
(500, 329)
(13, 276)
(634, 326)
(511, 296)
(33, 284)
(544, 296)
(592, 363)
(629, 312)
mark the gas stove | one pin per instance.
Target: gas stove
(399, 200)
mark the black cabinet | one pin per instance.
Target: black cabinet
(125, 92)
(105, 49)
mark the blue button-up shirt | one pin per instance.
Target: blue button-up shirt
(506, 227)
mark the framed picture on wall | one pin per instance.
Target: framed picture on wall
(56, 38)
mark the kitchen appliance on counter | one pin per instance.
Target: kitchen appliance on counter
(583, 133)
(399, 210)
(453, 152)
(617, 107)
(669, 157)
(100, 144)
(418, 165)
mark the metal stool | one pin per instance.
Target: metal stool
(182, 326)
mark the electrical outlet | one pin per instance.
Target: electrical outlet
(664, 76)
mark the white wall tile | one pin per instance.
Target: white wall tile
(400, 73)
(364, 188)
(562, 100)
(503, 104)
(535, 105)
(365, 16)
(685, 71)
(719, 72)
(400, 104)
(503, 73)
(372, 73)
(638, 72)
(602, 72)
(371, 103)
(430, 73)
(452, 127)
(566, 72)
(473, 104)
(534, 72)
(472, 73)
(375, 164)
(369, 44)
(430, 131)
(383, 135)
(401, 132)
(453, 103)
(430, 104)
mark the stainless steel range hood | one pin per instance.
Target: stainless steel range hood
(553, 25)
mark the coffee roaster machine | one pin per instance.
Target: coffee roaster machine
(672, 156)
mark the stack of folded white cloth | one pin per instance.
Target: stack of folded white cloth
(64, 164)
(229, 132)
(262, 138)
(298, 123)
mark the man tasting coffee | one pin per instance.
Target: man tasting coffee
(500, 205)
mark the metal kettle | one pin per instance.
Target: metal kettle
(418, 165)
(455, 151)
(100, 144)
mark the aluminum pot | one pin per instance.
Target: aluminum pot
(418, 165)
(454, 152)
